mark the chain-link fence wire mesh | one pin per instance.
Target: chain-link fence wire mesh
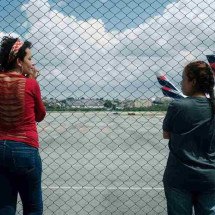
(98, 60)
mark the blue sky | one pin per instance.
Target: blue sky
(110, 49)
(11, 17)
(116, 14)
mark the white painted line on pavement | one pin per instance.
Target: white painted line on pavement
(100, 188)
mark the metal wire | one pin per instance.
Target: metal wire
(101, 141)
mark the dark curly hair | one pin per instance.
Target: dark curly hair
(203, 75)
(6, 45)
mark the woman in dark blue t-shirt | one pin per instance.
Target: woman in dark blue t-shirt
(189, 177)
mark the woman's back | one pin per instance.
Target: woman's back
(12, 103)
(20, 107)
(191, 144)
(185, 114)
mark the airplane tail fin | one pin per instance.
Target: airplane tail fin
(211, 60)
(162, 79)
(168, 88)
(172, 93)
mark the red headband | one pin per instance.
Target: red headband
(14, 50)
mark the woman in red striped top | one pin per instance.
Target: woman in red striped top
(21, 107)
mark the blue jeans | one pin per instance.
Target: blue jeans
(20, 172)
(183, 202)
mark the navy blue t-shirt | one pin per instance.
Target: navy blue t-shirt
(191, 161)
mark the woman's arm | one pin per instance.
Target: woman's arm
(40, 110)
(169, 120)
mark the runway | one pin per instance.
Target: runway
(102, 163)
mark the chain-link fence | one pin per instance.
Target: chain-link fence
(101, 142)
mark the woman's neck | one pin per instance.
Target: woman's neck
(199, 94)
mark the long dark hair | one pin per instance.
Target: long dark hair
(6, 45)
(203, 75)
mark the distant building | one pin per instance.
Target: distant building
(166, 99)
(84, 103)
(52, 103)
(126, 104)
(162, 100)
(138, 103)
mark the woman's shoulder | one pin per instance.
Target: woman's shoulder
(188, 103)
(186, 100)
(181, 103)
(176, 102)
(31, 83)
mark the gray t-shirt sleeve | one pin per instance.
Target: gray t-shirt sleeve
(172, 111)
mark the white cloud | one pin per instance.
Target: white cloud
(84, 57)
(61, 3)
(12, 34)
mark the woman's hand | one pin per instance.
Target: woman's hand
(166, 135)
(34, 73)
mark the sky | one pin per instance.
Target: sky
(110, 49)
